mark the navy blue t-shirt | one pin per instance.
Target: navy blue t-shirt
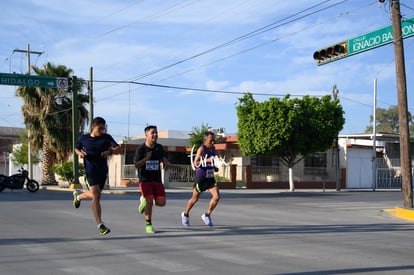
(95, 164)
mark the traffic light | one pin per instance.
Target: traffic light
(331, 53)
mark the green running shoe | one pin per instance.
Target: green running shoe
(149, 229)
(103, 229)
(76, 202)
(142, 205)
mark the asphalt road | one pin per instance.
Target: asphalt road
(255, 232)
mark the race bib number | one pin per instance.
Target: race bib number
(209, 174)
(152, 165)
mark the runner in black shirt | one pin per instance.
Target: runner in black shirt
(148, 158)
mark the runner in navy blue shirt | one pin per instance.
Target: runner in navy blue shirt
(94, 148)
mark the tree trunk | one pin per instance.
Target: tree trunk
(291, 183)
(48, 177)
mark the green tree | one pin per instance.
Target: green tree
(20, 151)
(197, 135)
(47, 114)
(288, 128)
(387, 121)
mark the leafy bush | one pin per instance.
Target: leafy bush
(20, 152)
(220, 178)
(65, 171)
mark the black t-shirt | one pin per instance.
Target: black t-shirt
(151, 170)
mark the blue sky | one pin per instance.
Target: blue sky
(207, 45)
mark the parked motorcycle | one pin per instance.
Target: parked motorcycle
(17, 181)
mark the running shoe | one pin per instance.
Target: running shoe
(142, 205)
(103, 229)
(185, 220)
(149, 229)
(207, 219)
(76, 202)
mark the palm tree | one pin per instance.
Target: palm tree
(47, 114)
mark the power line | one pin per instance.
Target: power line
(274, 25)
(277, 24)
(230, 56)
(248, 49)
(148, 18)
(191, 89)
(408, 7)
(354, 101)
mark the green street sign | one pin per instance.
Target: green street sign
(378, 37)
(33, 81)
(363, 43)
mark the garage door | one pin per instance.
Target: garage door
(359, 168)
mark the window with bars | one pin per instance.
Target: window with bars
(316, 164)
(264, 161)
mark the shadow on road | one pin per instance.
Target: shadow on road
(363, 270)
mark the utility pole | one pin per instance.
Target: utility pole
(374, 138)
(90, 89)
(335, 92)
(403, 106)
(75, 132)
(29, 146)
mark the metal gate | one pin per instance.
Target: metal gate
(388, 178)
(388, 173)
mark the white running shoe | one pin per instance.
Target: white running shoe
(185, 220)
(207, 219)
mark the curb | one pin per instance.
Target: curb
(105, 191)
(402, 213)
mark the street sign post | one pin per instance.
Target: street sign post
(44, 82)
(34, 81)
